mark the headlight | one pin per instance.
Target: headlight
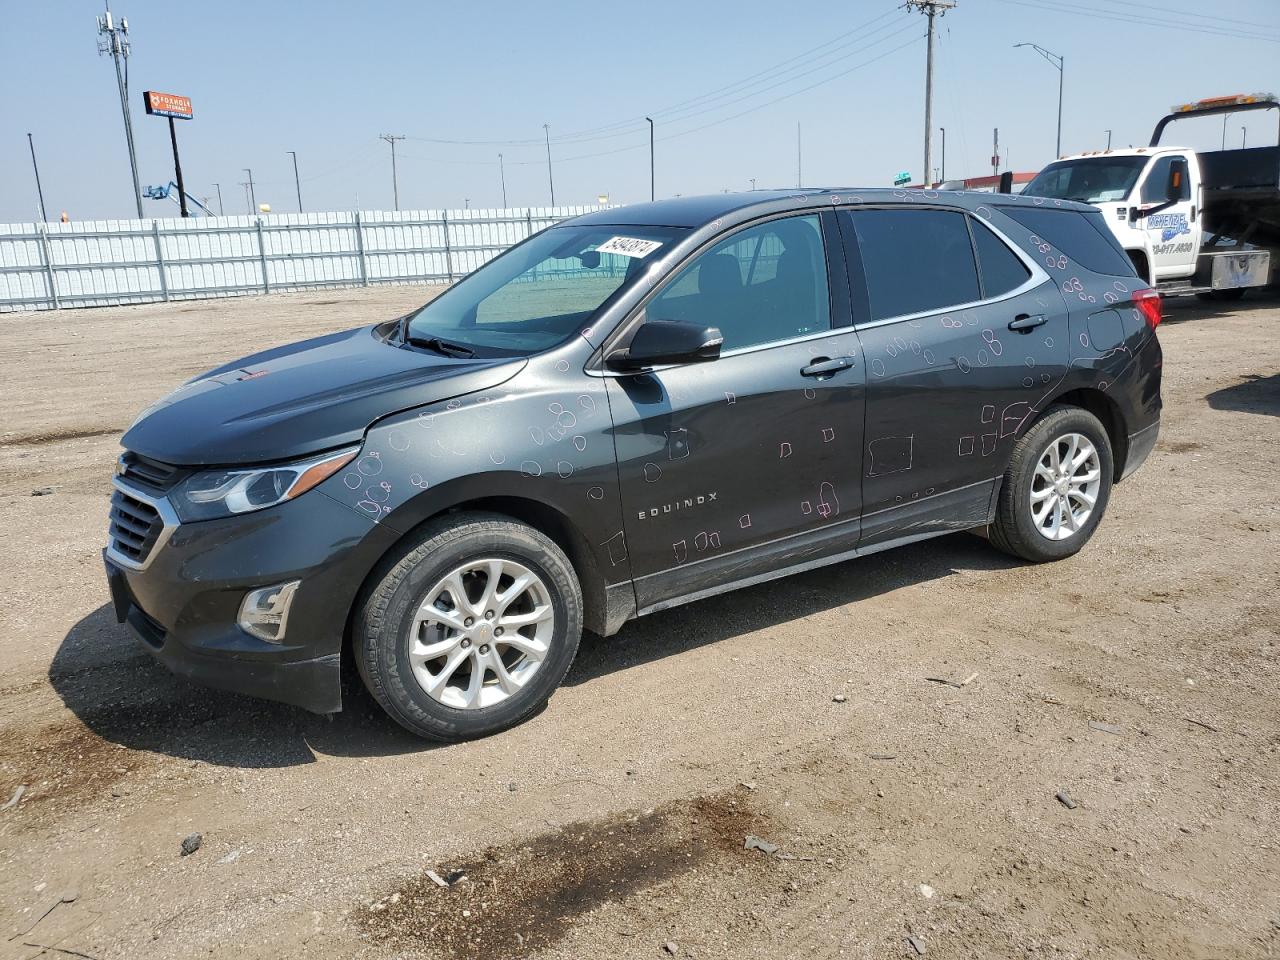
(220, 493)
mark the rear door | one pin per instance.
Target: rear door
(962, 334)
(733, 469)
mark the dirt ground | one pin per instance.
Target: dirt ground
(1139, 678)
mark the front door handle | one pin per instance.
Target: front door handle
(1025, 322)
(826, 366)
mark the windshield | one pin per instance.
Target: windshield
(1089, 180)
(540, 292)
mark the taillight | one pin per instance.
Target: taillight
(1148, 304)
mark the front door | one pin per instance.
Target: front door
(1173, 231)
(734, 469)
(949, 383)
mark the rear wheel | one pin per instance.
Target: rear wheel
(1056, 487)
(472, 629)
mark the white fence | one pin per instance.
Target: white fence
(103, 262)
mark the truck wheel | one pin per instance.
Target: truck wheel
(1055, 488)
(471, 628)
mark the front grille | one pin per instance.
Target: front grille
(150, 473)
(135, 526)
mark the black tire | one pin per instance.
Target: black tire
(380, 632)
(1014, 530)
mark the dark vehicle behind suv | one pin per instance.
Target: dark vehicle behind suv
(625, 412)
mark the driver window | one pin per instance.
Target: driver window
(763, 284)
(1157, 177)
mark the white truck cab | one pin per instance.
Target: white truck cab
(1172, 208)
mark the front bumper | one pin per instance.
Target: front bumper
(184, 603)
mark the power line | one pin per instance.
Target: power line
(1166, 9)
(672, 112)
(1059, 7)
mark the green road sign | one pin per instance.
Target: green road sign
(900, 179)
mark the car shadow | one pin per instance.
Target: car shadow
(1256, 394)
(1183, 309)
(117, 691)
(781, 601)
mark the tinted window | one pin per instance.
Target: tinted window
(1153, 187)
(1001, 269)
(1081, 236)
(763, 284)
(915, 260)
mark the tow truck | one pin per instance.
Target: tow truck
(1205, 223)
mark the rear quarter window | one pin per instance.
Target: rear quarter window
(1083, 237)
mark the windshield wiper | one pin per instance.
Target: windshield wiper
(443, 347)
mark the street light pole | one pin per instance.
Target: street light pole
(221, 210)
(1108, 139)
(502, 175)
(1057, 61)
(1243, 135)
(652, 194)
(944, 153)
(39, 189)
(546, 128)
(296, 182)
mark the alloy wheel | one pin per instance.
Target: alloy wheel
(481, 633)
(1064, 489)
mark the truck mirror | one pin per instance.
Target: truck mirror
(1177, 177)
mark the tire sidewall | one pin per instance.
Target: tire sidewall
(1056, 424)
(416, 708)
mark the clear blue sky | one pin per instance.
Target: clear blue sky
(325, 79)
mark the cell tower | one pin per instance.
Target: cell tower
(113, 38)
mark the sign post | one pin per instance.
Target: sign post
(174, 107)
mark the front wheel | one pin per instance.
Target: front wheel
(1056, 487)
(471, 629)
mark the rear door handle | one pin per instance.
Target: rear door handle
(825, 366)
(1026, 322)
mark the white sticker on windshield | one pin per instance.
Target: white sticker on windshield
(629, 246)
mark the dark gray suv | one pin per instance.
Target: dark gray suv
(625, 412)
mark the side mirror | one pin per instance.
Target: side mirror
(1177, 178)
(660, 342)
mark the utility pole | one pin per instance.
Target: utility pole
(652, 194)
(221, 210)
(943, 178)
(296, 182)
(799, 167)
(395, 183)
(502, 175)
(546, 127)
(1224, 130)
(1243, 134)
(1108, 139)
(253, 197)
(995, 152)
(114, 39)
(1058, 62)
(40, 190)
(931, 9)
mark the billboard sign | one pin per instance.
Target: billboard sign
(167, 105)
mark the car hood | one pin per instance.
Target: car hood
(302, 398)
